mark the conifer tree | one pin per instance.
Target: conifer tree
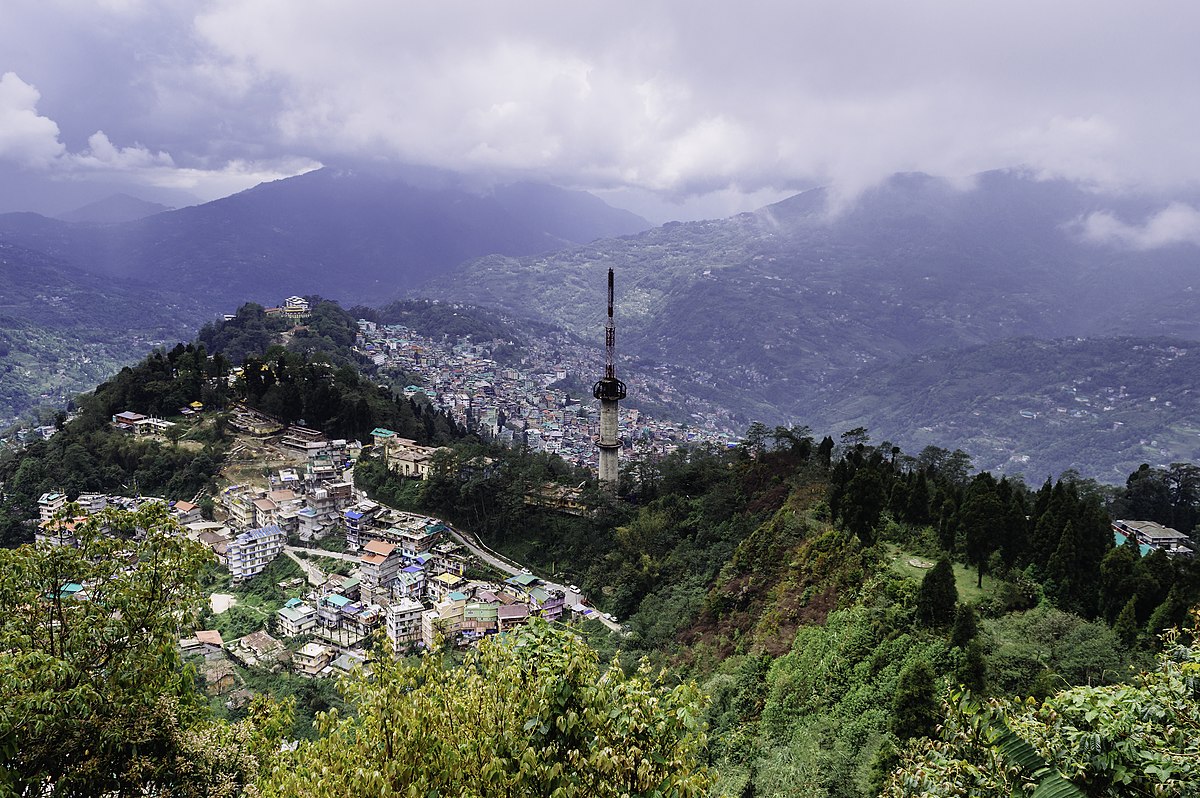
(966, 626)
(1126, 627)
(915, 710)
(938, 595)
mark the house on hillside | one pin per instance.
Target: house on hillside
(251, 552)
(1155, 536)
(380, 563)
(295, 307)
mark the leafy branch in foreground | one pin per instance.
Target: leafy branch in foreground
(1116, 740)
(529, 713)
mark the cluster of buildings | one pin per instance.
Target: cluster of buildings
(411, 581)
(531, 403)
(55, 527)
(437, 608)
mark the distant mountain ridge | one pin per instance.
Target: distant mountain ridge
(787, 314)
(123, 274)
(776, 306)
(114, 209)
(343, 233)
(1101, 406)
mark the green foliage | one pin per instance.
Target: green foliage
(89, 455)
(528, 714)
(915, 710)
(1141, 738)
(1046, 648)
(828, 705)
(93, 691)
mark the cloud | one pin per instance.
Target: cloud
(102, 154)
(761, 96)
(1176, 224)
(26, 137)
(31, 141)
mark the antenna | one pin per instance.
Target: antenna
(610, 336)
(609, 390)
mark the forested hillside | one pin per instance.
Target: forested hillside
(840, 618)
(830, 597)
(313, 377)
(1100, 406)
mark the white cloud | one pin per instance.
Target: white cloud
(1176, 224)
(26, 137)
(654, 95)
(31, 140)
(102, 154)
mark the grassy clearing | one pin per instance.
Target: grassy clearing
(964, 578)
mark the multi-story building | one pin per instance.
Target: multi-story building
(446, 618)
(410, 583)
(94, 502)
(381, 562)
(404, 623)
(49, 504)
(251, 552)
(418, 538)
(296, 618)
(185, 512)
(479, 618)
(311, 659)
(357, 520)
(266, 512)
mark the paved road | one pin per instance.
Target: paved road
(336, 555)
(316, 577)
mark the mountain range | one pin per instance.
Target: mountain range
(811, 310)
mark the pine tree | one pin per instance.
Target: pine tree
(1126, 626)
(915, 710)
(966, 626)
(938, 595)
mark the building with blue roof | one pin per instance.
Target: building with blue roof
(251, 552)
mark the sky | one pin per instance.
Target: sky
(677, 110)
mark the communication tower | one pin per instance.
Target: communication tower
(609, 391)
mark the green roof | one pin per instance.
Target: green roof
(524, 580)
(380, 432)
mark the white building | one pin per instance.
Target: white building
(251, 552)
(404, 623)
(296, 619)
(49, 504)
(311, 659)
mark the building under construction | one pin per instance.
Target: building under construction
(609, 391)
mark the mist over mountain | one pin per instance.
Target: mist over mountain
(351, 234)
(113, 210)
(62, 331)
(809, 310)
(777, 306)
(88, 292)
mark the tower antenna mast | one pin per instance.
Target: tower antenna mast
(609, 391)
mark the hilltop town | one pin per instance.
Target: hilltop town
(544, 400)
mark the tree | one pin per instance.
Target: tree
(1141, 738)
(915, 708)
(938, 595)
(982, 517)
(531, 713)
(966, 626)
(92, 690)
(863, 504)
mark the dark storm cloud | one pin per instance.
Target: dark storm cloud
(670, 99)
